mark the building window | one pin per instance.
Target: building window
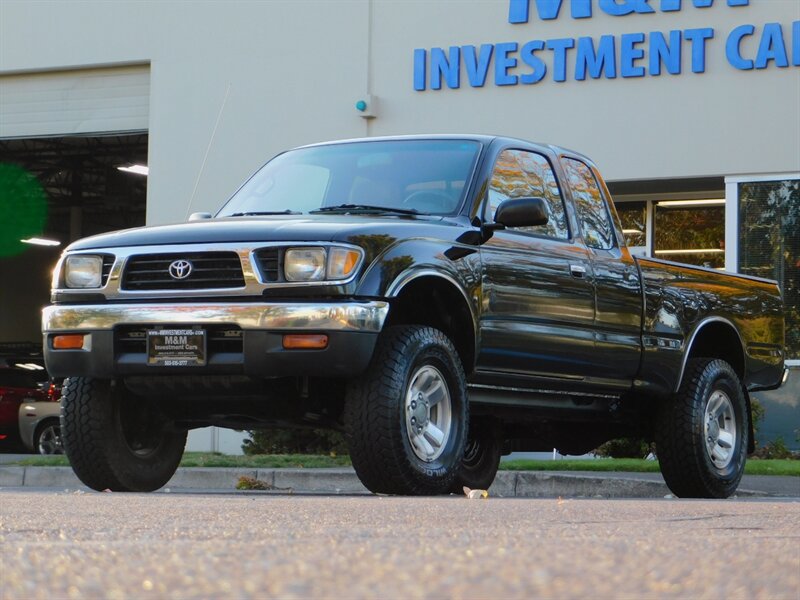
(633, 216)
(769, 244)
(691, 232)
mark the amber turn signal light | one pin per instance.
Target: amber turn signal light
(305, 341)
(68, 342)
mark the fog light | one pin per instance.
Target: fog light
(68, 342)
(305, 341)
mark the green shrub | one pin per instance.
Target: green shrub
(776, 449)
(295, 441)
(757, 412)
(625, 448)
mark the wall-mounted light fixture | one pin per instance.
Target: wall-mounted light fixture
(690, 203)
(41, 242)
(367, 106)
(137, 169)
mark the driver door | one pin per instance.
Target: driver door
(538, 307)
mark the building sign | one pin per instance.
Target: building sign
(609, 56)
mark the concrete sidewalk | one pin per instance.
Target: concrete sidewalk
(509, 484)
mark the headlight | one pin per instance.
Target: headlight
(304, 264)
(83, 271)
(341, 262)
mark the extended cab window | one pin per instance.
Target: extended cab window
(589, 204)
(522, 174)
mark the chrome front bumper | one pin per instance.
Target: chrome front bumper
(365, 317)
(352, 329)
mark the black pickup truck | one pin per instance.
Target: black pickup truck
(441, 299)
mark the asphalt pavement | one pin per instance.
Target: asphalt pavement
(56, 544)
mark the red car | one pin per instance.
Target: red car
(16, 386)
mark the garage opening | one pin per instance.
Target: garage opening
(55, 190)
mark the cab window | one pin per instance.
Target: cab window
(523, 174)
(589, 204)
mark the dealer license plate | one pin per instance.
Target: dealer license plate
(176, 347)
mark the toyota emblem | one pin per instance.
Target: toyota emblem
(180, 269)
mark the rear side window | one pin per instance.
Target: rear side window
(522, 174)
(589, 204)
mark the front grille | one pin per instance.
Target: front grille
(210, 270)
(219, 338)
(269, 263)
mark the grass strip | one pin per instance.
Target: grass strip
(215, 459)
(314, 461)
(789, 468)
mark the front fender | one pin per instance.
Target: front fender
(410, 259)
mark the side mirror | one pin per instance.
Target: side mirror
(521, 212)
(200, 216)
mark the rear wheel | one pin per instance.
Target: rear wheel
(406, 418)
(481, 458)
(115, 440)
(702, 432)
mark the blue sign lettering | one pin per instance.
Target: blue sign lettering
(595, 62)
(559, 48)
(420, 62)
(796, 43)
(733, 47)
(772, 47)
(477, 66)
(698, 38)
(629, 54)
(519, 10)
(528, 55)
(617, 9)
(663, 53)
(503, 62)
(449, 66)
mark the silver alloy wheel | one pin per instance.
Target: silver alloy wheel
(50, 441)
(720, 429)
(429, 413)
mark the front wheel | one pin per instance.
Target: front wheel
(702, 432)
(115, 440)
(406, 418)
(47, 439)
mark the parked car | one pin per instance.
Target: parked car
(440, 299)
(39, 427)
(16, 386)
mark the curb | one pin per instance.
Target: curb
(508, 484)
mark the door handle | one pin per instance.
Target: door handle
(577, 270)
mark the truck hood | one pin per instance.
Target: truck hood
(289, 228)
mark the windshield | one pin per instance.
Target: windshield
(403, 176)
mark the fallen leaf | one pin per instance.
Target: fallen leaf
(472, 494)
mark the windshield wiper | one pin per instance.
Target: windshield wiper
(366, 208)
(265, 213)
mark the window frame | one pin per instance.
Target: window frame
(612, 223)
(732, 224)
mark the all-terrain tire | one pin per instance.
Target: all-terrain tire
(702, 432)
(481, 458)
(386, 448)
(102, 429)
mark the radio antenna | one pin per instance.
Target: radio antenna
(208, 149)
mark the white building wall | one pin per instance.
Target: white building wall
(290, 72)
